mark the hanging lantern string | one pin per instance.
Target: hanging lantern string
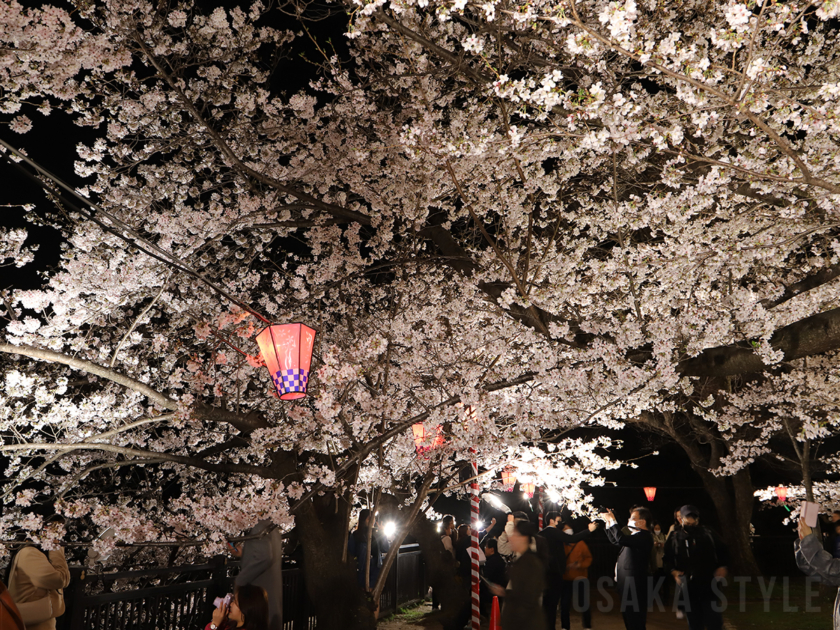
(134, 239)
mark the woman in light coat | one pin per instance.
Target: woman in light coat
(36, 584)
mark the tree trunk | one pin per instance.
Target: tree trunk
(331, 584)
(733, 496)
(733, 499)
(807, 480)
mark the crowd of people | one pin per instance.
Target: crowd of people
(538, 574)
(535, 574)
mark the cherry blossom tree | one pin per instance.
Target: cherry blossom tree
(558, 214)
(132, 399)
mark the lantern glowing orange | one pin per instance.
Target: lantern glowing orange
(781, 492)
(419, 434)
(508, 479)
(650, 493)
(287, 352)
(528, 489)
(421, 437)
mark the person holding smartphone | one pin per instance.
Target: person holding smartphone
(247, 610)
(813, 560)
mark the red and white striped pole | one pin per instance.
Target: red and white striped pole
(540, 506)
(474, 501)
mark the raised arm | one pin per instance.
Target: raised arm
(620, 539)
(503, 541)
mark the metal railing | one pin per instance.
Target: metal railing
(182, 597)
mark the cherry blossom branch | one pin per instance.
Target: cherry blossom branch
(438, 51)
(72, 483)
(119, 228)
(136, 322)
(368, 448)
(540, 325)
(229, 153)
(191, 462)
(784, 146)
(823, 276)
(92, 368)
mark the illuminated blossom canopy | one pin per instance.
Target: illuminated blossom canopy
(561, 214)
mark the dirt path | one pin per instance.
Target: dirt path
(423, 617)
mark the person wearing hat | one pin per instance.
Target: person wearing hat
(697, 558)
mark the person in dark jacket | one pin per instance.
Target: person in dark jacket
(815, 561)
(495, 569)
(697, 558)
(677, 526)
(835, 547)
(557, 540)
(523, 609)
(463, 579)
(631, 570)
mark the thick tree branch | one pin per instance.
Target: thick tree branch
(244, 422)
(813, 335)
(457, 62)
(92, 368)
(403, 530)
(823, 276)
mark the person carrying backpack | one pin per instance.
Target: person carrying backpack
(697, 557)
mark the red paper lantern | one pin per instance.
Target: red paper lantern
(421, 438)
(287, 352)
(528, 489)
(508, 479)
(650, 493)
(781, 492)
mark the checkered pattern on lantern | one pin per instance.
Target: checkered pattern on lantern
(291, 381)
